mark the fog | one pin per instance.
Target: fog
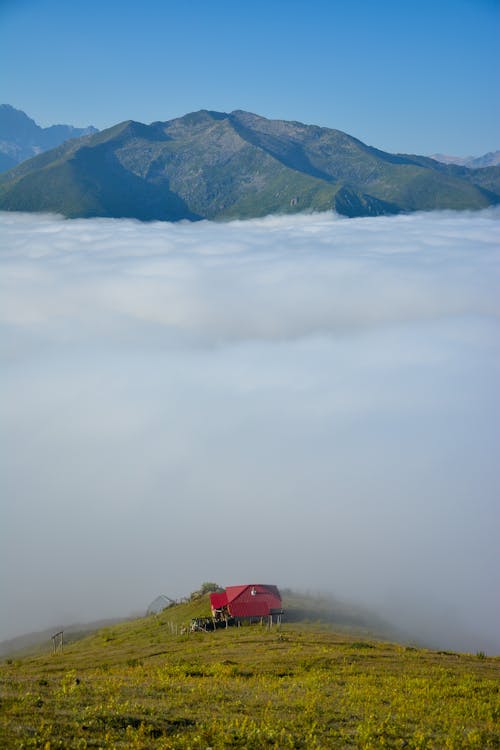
(308, 401)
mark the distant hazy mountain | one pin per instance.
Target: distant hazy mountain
(239, 165)
(491, 159)
(21, 138)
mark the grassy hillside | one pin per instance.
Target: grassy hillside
(142, 684)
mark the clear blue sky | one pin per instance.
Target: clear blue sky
(404, 76)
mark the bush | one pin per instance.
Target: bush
(206, 588)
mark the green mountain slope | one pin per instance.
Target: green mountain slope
(239, 165)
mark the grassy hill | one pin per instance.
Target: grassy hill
(300, 607)
(216, 165)
(143, 684)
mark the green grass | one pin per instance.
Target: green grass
(140, 685)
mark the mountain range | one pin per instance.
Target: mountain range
(491, 159)
(21, 138)
(217, 165)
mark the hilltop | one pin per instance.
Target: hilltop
(146, 684)
(299, 608)
(217, 165)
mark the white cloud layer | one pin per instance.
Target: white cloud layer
(309, 401)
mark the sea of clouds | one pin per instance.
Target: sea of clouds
(309, 401)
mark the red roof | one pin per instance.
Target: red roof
(251, 600)
(218, 600)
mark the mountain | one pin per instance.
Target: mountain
(214, 165)
(491, 159)
(21, 138)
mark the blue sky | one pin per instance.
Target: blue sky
(403, 76)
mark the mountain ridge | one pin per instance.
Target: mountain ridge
(21, 138)
(490, 159)
(217, 165)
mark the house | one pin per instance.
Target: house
(252, 601)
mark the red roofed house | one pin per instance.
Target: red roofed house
(245, 602)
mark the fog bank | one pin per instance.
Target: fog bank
(308, 401)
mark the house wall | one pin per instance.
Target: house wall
(243, 603)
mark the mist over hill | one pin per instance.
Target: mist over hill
(217, 165)
(310, 400)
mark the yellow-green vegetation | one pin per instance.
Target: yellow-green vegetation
(141, 684)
